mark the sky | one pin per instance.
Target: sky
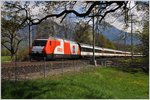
(117, 22)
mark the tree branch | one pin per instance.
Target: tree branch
(17, 46)
(6, 47)
(64, 13)
(67, 12)
(109, 11)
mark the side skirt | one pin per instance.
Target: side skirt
(61, 56)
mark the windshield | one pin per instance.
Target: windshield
(39, 43)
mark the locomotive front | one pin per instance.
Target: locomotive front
(37, 51)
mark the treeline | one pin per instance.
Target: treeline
(80, 32)
(83, 34)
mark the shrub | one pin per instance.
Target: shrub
(5, 53)
(23, 55)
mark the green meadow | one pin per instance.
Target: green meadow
(100, 83)
(5, 58)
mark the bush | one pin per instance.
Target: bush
(5, 58)
(23, 55)
(5, 53)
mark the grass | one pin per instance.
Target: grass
(135, 60)
(101, 83)
(5, 58)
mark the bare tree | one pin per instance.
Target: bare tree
(10, 37)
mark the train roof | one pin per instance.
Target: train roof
(41, 39)
(55, 38)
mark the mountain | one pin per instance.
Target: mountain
(116, 35)
(109, 31)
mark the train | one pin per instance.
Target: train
(57, 48)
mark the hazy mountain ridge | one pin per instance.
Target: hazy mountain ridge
(114, 34)
(108, 31)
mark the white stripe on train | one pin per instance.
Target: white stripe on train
(104, 54)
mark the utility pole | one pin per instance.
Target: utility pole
(131, 37)
(30, 38)
(94, 61)
(31, 33)
(125, 43)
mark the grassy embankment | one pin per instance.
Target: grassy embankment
(5, 58)
(100, 83)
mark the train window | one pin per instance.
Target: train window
(106, 51)
(97, 50)
(90, 49)
(39, 42)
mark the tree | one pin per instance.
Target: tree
(83, 33)
(52, 28)
(144, 36)
(46, 28)
(68, 28)
(102, 41)
(10, 36)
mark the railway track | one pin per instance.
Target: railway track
(17, 69)
(35, 63)
(14, 69)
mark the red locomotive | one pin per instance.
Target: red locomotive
(53, 48)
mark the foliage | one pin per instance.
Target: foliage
(145, 43)
(101, 83)
(83, 33)
(68, 28)
(5, 58)
(135, 61)
(52, 28)
(46, 28)
(144, 35)
(5, 53)
(23, 54)
(145, 39)
(120, 46)
(102, 41)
